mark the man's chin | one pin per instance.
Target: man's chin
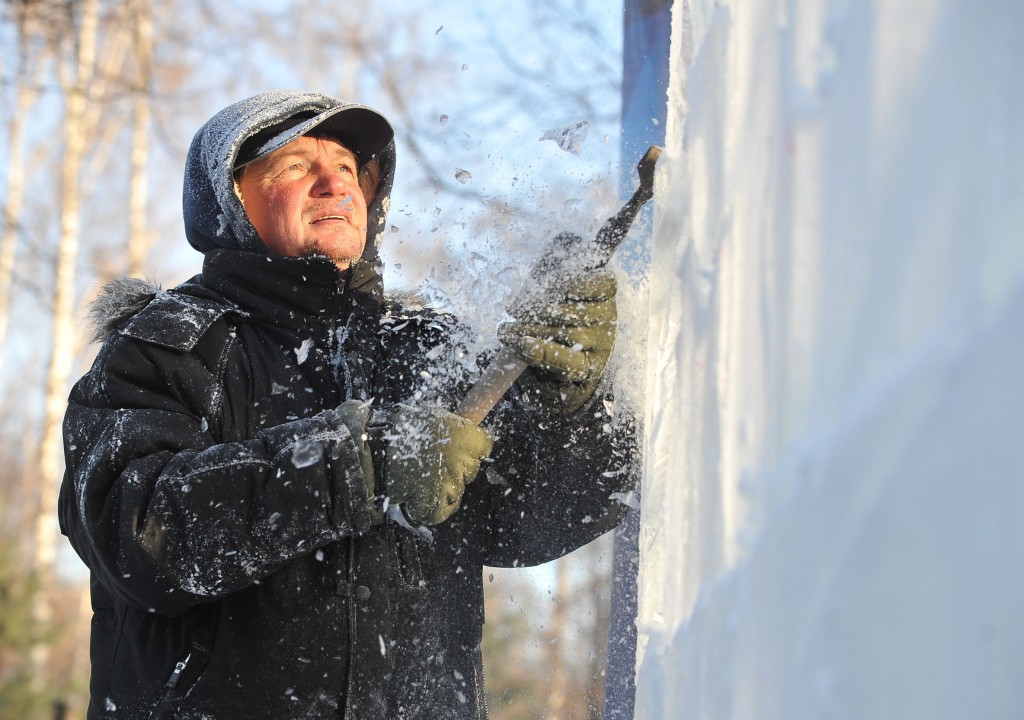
(341, 257)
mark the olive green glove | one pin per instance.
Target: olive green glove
(431, 456)
(355, 414)
(566, 336)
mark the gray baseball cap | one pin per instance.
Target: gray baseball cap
(361, 129)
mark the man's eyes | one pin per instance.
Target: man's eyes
(289, 167)
(302, 166)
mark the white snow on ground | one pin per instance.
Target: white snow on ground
(833, 502)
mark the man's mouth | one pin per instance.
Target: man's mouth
(321, 218)
(341, 210)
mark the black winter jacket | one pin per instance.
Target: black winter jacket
(220, 504)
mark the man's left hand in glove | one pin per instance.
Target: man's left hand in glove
(566, 336)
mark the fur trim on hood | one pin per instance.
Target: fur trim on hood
(214, 216)
(118, 300)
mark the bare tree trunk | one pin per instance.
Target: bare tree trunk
(598, 592)
(24, 97)
(138, 232)
(558, 689)
(63, 332)
(12, 214)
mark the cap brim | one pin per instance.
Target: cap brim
(362, 130)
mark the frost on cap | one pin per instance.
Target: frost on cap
(214, 216)
(362, 130)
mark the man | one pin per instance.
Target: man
(263, 476)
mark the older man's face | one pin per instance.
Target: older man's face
(304, 199)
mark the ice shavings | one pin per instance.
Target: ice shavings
(629, 499)
(302, 352)
(570, 137)
(306, 453)
(395, 514)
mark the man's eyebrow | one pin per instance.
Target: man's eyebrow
(284, 153)
(344, 153)
(339, 148)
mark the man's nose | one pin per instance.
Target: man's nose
(332, 183)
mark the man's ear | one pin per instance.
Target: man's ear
(237, 177)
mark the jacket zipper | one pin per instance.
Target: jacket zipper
(179, 668)
(337, 332)
(166, 705)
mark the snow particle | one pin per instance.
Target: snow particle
(569, 137)
(306, 453)
(302, 352)
(628, 499)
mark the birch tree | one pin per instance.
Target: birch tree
(75, 82)
(558, 683)
(25, 93)
(139, 241)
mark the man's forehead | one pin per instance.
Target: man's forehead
(311, 145)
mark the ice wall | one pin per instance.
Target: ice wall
(833, 505)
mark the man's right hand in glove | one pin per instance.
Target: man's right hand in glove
(431, 456)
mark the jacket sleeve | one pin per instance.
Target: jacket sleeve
(166, 517)
(555, 483)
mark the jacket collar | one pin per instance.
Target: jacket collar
(291, 292)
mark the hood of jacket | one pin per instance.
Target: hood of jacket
(213, 213)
